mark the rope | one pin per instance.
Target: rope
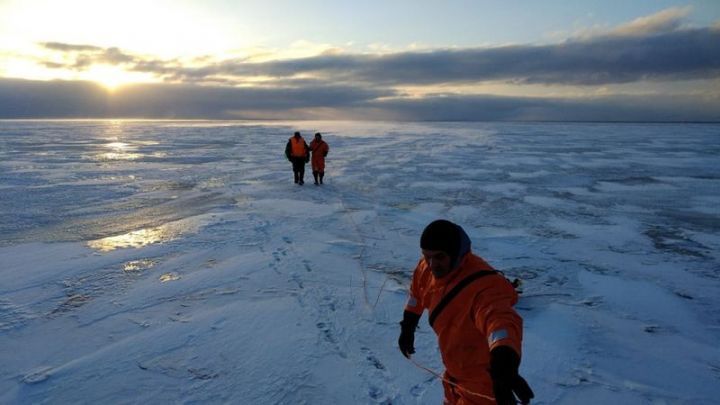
(454, 384)
(361, 260)
(382, 287)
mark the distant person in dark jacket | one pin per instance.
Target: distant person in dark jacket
(319, 149)
(298, 153)
(471, 311)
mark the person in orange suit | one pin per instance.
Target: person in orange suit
(319, 149)
(471, 311)
(297, 152)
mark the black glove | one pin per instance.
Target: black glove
(407, 333)
(504, 363)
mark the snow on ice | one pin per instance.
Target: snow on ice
(177, 262)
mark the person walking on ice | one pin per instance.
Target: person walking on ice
(471, 310)
(319, 149)
(298, 153)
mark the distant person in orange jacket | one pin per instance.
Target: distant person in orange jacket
(471, 311)
(319, 149)
(298, 153)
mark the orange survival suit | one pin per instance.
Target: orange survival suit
(478, 319)
(319, 149)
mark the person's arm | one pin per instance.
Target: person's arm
(411, 316)
(288, 148)
(507, 382)
(327, 149)
(496, 317)
(406, 341)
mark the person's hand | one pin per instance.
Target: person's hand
(507, 383)
(407, 342)
(407, 333)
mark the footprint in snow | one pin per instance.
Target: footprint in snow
(327, 333)
(419, 390)
(329, 302)
(377, 379)
(297, 280)
(306, 263)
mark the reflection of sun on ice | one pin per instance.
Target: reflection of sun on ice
(148, 236)
(118, 146)
(135, 239)
(119, 151)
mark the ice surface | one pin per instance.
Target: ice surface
(169, 261)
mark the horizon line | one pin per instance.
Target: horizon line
(361, 120)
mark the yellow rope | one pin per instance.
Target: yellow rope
(436, 374)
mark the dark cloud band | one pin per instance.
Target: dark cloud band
(57, 99)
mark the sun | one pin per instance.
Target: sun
(110, 77)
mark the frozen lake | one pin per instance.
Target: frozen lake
(176, 261)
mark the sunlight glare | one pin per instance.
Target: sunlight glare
(163, 28)
(110, 77)
(119, 151)
(146, 236)
(134, 239)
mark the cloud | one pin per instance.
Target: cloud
(675, 55)
(84, 56)
(653, 48)
(664, 21)
(36, 99)
(60, 99)
(64, 47)
(608, 108)
(224, 102)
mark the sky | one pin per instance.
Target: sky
(387, 60)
